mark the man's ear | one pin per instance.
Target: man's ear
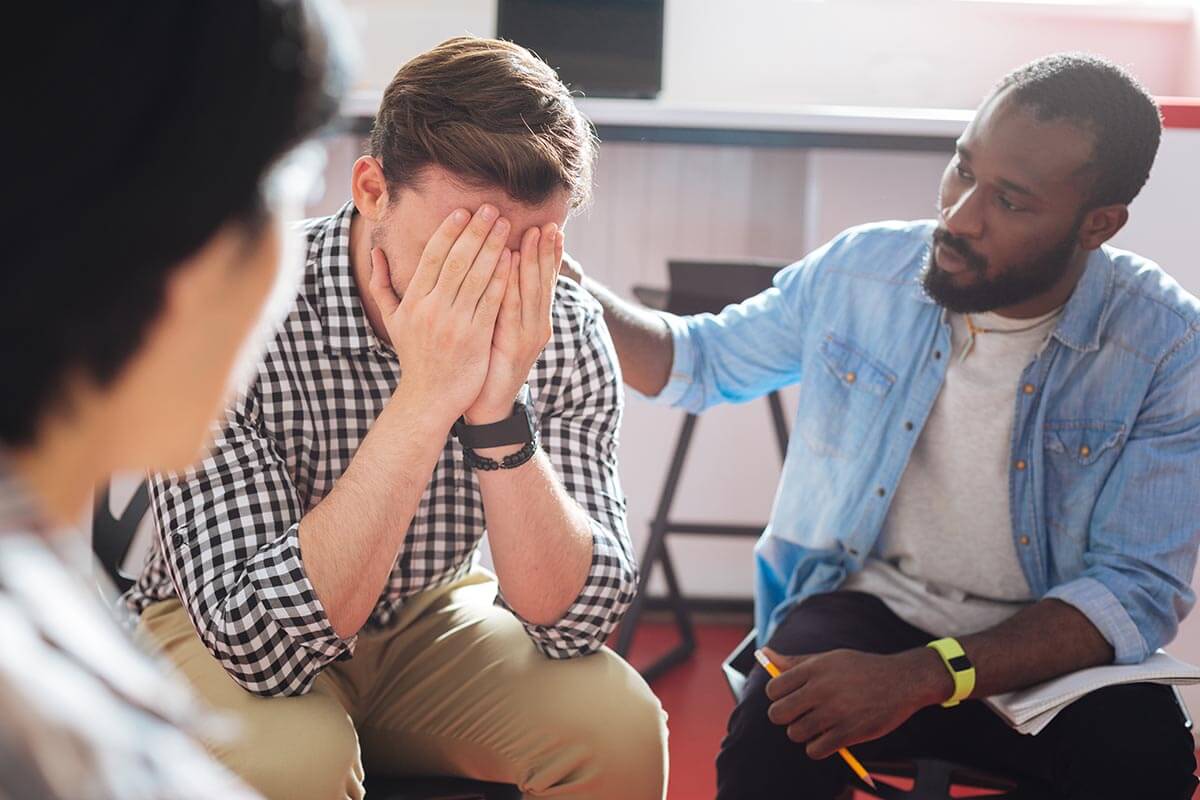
(1101, 224)
(368, 187)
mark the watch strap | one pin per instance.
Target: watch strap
(962, 671)
(520, 427)
(514, 429)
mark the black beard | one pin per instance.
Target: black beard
(1014, 286)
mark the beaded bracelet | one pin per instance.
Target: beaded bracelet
(476, 461)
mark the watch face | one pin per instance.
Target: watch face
(960, 663)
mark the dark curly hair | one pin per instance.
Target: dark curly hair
(1105, 101)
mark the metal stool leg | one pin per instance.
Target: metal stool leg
(656, 551)
(655, 548)
(683, 622)
(933, 779)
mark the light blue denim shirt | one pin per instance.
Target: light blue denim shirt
(1105, 465)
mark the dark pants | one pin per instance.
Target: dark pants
(1127, 742)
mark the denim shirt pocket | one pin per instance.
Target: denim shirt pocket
(1078, 456)
(841, 397)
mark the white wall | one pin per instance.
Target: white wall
(924, 53)
(1191, 87)
(1163, 218)
(659, 202)
(927, 53)
(393, 31)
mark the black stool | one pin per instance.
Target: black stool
(387, 788)
(111, 539)
(696, 287)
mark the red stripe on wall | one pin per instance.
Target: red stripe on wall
(1180, 112)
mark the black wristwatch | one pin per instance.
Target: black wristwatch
(519, 428)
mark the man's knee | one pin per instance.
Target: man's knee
(293, 748)
(634, 731)
(286, 747)
(757, 759)
(606, 735)
(1127, 741)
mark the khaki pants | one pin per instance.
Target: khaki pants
(454, 687)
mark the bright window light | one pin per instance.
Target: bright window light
(1117, 3)
(1167, 10)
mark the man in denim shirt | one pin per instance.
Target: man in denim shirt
(998, 439)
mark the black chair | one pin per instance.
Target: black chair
(695, 287)
(112, 537)
(387, 788)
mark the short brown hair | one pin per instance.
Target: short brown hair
(492, 113)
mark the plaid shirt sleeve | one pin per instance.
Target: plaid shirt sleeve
(581, 407)
(229, 535)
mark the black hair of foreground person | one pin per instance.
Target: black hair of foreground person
(142, 129)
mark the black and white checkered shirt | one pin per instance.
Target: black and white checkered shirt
(227, 541)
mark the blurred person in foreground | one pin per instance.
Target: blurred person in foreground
(145, 185)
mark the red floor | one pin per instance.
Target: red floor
(698, 701)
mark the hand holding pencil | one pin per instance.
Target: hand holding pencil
(832, 700)
(846, 755)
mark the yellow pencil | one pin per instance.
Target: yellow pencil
(846, 755)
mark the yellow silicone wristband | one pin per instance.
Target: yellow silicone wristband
(964, 679)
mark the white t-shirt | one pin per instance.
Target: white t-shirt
(946, 560)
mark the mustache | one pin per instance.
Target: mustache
(961, 248)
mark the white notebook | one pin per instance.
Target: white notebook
(1030, 710)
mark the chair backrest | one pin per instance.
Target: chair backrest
(112, 536)
(699, 286)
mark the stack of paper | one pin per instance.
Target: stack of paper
(1030, 710)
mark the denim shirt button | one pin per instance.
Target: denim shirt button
(1024, 540)
(1021, 466)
